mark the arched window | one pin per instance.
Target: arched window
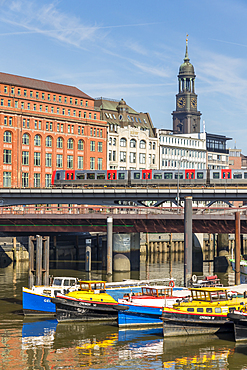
(59, 142)
(123, 142)
(70, 144)
(142, 144)
(37, 140)
(48, 141)
(25, 139)
(133, 143)
(80, 145)
(7, 137)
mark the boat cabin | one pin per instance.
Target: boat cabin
(209, 294)
(92, 285)
(156, 291)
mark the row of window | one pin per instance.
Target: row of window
(7, 159)
(49, 109)
(133, 119)
(7, 138)
(49, 126)
(183, 152)
(176, 140)
(25, 180)
(133, 143)
(210, 309)
(132, 157)
(44, 96)
(184, 164)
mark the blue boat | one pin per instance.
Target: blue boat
(145, 308)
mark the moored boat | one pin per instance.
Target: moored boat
(37, 300)
(89, 303)
(204, 313)
(145, 308)
(239, 319)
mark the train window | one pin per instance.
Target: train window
(157, 176)
(67, 176)
(58, 176)
(121, 176)
(216, 175)
(137, 176)
(90, 176)
(80, 176)
(111, 176)
(237, 175)
(181, 176)
(146, 176)
(245, 175)
(199, 175)
(72, 176)
(100, 176)
(167, 175)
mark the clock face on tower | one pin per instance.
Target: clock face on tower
(193, 102)
(181, 102)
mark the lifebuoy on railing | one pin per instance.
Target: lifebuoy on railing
(171, 284)
(194, 278)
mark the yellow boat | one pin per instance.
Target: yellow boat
(205, 312)
(89, 302)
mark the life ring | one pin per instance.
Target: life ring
(194, 278)
(171, 284)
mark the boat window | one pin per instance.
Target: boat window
(100, 176)
(168, 175)
(199, 309)
(209, 310)
(199, 175)
(242, 303)
(66, 282)
(231, 309)
(72, 282)
(84, 286)
(121, 176)
(190, 309)
(216, 175)
(137, 176)
(245, 175)
(217, 310)
(57, 282)
(158, 176)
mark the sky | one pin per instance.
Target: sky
(133, 50)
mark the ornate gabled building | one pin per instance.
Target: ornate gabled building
(186, 117)
(132, 139)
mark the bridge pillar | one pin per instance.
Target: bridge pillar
(126, 251)
(187, 241)
(109, 246)
(197, 253)
(237, 248)
(223, 243)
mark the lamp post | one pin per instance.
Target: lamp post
(179, 164)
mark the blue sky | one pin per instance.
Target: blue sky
(133, 50)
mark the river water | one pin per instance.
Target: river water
(45, 344)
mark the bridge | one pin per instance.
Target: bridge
(45, 220)
(113, 196)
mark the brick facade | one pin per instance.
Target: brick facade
(46, 126)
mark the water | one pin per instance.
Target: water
(45, 344)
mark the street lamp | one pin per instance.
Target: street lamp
(179, 164)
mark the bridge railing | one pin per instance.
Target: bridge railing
(113, 210)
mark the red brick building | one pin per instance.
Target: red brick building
(46, 126)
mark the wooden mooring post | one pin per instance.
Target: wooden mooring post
(38, 272)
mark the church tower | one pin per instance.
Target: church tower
(186, 117)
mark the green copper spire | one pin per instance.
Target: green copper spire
(186, 58)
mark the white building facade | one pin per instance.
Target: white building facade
(183, 151)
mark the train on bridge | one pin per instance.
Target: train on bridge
(152, 178)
